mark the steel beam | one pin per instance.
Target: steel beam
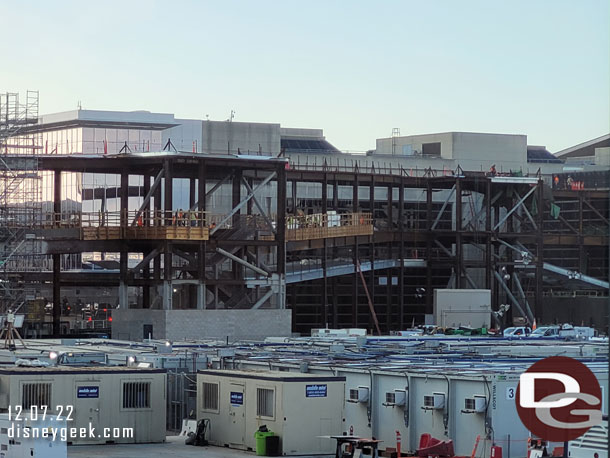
(201, 184)
(458, 234)
(572, 275)
(522, 294)
(401, 253)
(57, 197)
(201, 204)
(148, 196)
(512, 297)
(240, 205)
(56, 293)
(448, 253)
(485, 205)
(440, 213)
(242, 262)
(262, 300)
(512, 210)
(124, 201)
(258, 205)
(123, 288)
(529, 215)
(596, 211)
(146, 260)
(281, 236)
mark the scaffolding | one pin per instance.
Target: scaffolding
(20, 195)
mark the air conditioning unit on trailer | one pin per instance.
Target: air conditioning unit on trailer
(435, 401)
(360, 394)
(396, 398)
(475, 404)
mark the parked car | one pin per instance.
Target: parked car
(517, 331)
(545, 331)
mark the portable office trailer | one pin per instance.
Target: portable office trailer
(446, 403)
(130, 402)
(449, 401)
(299, 408)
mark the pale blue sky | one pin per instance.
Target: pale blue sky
(354, 68)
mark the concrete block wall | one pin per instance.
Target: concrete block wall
(174, 325)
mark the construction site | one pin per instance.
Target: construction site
(254, 247)
(332, 241)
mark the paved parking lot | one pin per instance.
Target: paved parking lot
(173, 447)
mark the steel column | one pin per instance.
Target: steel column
(459, 249)
(57, 258)
(372, 243)
(324, 303)
(281, 235)
(429, 239)
(56, 294)
(401, 253)
(539, 248)
(355, 206)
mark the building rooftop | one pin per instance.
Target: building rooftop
(100, 118)
(271, 375)
(541, 155)
(307, 145)
(586, 148)
(458, 355)
(43, 370)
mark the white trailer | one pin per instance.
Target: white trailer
(120, 404)
(299, 408)
(457, 401)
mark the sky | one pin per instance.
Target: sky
(356, 69)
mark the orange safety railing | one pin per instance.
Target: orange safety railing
(323, 225)
(133, 218)
(126, 218)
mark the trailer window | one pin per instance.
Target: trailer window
(264, 402)
(210, 396)
(35, 394)
(136, 395)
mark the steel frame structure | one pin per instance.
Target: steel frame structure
(462, 230)
(487, 232)
(194, 268)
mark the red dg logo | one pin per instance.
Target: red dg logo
(559, 399)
